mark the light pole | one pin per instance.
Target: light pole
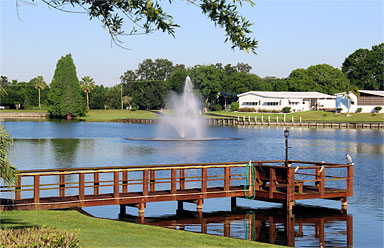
(286, 134)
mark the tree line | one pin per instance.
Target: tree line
(147, 86)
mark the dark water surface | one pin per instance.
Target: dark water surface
(67, 145)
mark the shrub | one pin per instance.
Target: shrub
(133, 109)
(325, 114)
(378, 108)
(216, 107)
(38, 237)
(235, 106)
(247, 109)
(359, 110)
(275, 111)
(338, 110)
(263, 110)
(286, 110)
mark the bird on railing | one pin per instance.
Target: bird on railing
(349, 159)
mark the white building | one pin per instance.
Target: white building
(368, 100)
(277, 100)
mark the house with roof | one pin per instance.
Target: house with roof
(368, 100)
(277, 100)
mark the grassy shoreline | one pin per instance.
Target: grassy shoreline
(96, 232)
(307, 116)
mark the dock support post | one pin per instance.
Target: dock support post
(344, 204)
(180, 207)
(141, 209)
(123, 210)
(199, 205)
(233, 204)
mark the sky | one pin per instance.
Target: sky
(291, 35)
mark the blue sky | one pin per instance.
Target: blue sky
(291, 35)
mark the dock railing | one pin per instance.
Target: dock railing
(179, 182)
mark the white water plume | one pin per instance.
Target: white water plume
(185, 115)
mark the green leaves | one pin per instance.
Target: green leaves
(65, 94)
(322, 78)
(7, 171)
(365, 68)
(146, 16)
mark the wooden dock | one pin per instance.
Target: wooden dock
(273, 123)
(137, 186)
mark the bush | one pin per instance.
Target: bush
(235, 106)
(247, 109)
(286, 110)
(263, 110)
(133, 109)
(216, 107)
(378, 108)
(338, 110)
(359, 110)
(38, 237)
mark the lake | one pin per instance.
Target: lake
(40, 145)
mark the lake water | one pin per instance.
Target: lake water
(41, 145)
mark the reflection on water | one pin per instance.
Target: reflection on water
(307, 227)
(65, 152)
(40, 145)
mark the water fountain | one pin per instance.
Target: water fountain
(183, 120)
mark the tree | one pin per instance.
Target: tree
(354, 90)
(149, 16)
(87, 85)
(322, 78)
(365, 68)
(207, 80)
(39, 84)
(160, 69)
(7, 171)
(65, 93)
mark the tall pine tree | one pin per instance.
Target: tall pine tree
(65, 96)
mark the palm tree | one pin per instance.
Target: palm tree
(39, 84)
(87, 84)
(354, 90)
(7, 171)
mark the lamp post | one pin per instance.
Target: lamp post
(286, 134)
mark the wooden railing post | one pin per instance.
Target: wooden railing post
(145, 182)
(36, 189)
(81, 186)
(152, 181)
(290, 188)
(204, 180)
(350, 181)
(322, 181)
(125, 181)
(317, 176)
(116, 186)
(96, 183)
(227, 178)
(62, 184)
(173, 181)
(18, 188)
(182, 178)
(272, 183)
(250, 181)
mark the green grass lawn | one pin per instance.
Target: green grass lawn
(112, 115)
(319, 116)
(95, 232)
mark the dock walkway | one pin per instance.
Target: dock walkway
(139, 185)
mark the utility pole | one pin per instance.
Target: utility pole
(121, 96)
